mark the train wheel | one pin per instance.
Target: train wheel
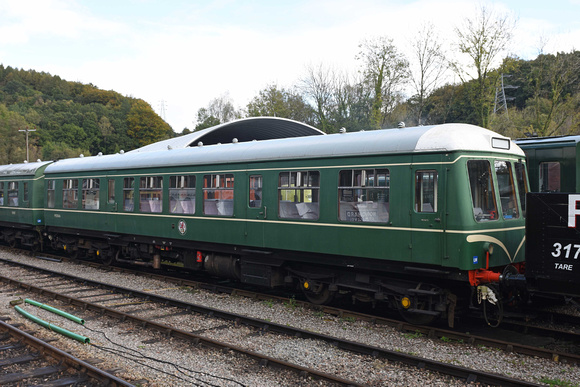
(317, 293)
(110, 257)
(74, 254)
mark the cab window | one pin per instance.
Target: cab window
(507, 190)
(522, 181)
(482, 190)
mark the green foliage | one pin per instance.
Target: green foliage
(558, 382)
(275, 102)
(144, 126)
(70, 118)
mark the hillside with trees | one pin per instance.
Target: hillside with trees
(69, 118)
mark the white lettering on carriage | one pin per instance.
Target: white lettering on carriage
(573, 210)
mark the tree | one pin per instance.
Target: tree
(220, 110)
(483, 38)
(385, 71)
(428, 67)
(144, 126)
(555, 80)
(353, 104)
(319, 86)
(275, 102)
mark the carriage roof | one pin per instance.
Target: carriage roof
(437, 138)
(23, 169)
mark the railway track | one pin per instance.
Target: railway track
(568, 351)
(27, 360)
(136, 298)
(564, 346)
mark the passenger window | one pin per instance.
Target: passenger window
(50, 193)
(151, 194)
(363, 195)
(70, 193)
(522, 180)
(128, 194)
(550, 177)
(218, 195)
(255, 194)
(182, 194)
(13, 194)
(507, 190)
(482, 190)
(426, 191)
(111, 192)
(299, 195)
(25, 191)
(90, 199)
(1, 193)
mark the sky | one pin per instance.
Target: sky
(178, 55)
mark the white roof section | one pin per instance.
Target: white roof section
(244, 130)
(24, 169)
(438, 138)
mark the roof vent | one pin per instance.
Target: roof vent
(342, 130)
(122, 152)
(100, 154)
(235, 140)
(200, 144)
(81, 155)
(169, 147)
(401, 125)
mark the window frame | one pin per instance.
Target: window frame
(70, 188)
(179, 185)
(218, 194)
(91, 186)
(291, 184)
(151, 194)
(51, 193)
(129, 194)
(421, 193)
(363, 203)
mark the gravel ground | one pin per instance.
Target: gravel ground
(183, 364)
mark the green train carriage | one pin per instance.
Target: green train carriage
(552, 163)
(22, 204)
(405, 216)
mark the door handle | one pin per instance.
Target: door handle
(265, 212)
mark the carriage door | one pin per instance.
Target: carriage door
(426, 217)
(256, 211)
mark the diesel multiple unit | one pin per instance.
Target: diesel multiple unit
(419, 219)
